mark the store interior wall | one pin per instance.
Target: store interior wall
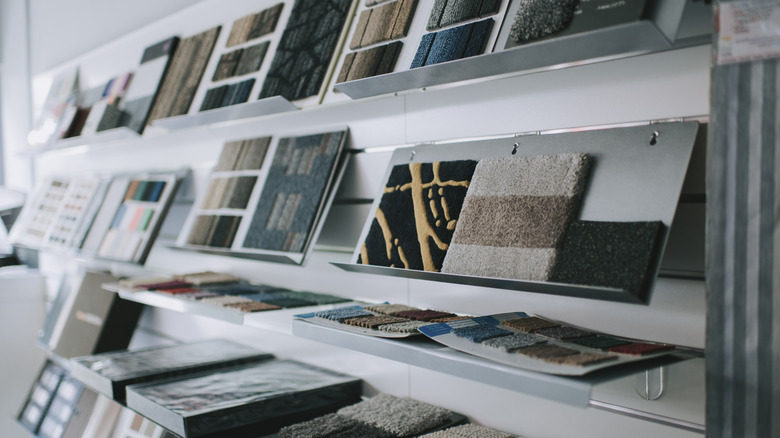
(653, 87)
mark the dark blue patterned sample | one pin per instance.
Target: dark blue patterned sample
(343, 313)
(448, 12)
(453, 43)
(479, 333)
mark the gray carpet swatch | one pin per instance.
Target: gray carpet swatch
(395, 415)
(619, 255)
(371, 62)
(515, 216)
(294, 190)
(468, 431)
(252, 58)
(332, 425)
(538, 18)
(226, 67)
(448, 12)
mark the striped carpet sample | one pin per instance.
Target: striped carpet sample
(215, 231)
(183, 78)
(417, 215)
(306, 49)
(254, 26)
(245, 154)
(448, 12)
(538, 18)
(620, 255)
(252, 58)
(371, 62)
(453, 43)
(515, 216)
(226, 67)
(387, 22)
(295, 189)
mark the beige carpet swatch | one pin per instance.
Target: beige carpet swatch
(515, 216)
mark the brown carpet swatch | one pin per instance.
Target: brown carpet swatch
(371, 62)
(387, 22)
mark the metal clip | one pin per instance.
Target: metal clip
(650, 385)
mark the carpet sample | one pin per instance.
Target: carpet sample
(304, 54)
(205, 278)
(252, 58)
(468, 431)
(332, 426)
(387, 22)
(342, 313)
(453, 43)
(239, 31)
(389, 309)
(239, 191)
(563, 333)
(395, 415)
(253, 306)
(288, 303)
(599, 342)
(198, 295)
(513, 342)
(245, 154)
(226, 67)
(224, 300)
(529, 324)
(213, 98)
(422, 315)
(582, 359)
(254, 26)
(479, 333)
(539, 18)
(448, 12)
(515, 216)
(402, 327)
(215, 231)
(620, 255)
(294, 191)
(417, 215)
(371, 62)
(372, 322)
(547, 351)
(187, 67)
(640, 348)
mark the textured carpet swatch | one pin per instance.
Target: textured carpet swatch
(448, 12)
(513, 342)
(304, 54)
(254, 26)
(619, 255)
(600, 342)
(417, 215)
(181, 82)
(402, 327)
(453, 43)
(332, 425)
(387, 22)
(252, 58)
(398, 416)
(294, 191)
(479, 333)
(539, 18)
(215, 231)
(468, 431)
(529, 324)
(245, 154)
(226, 67)
(371, 62)
(515, 216)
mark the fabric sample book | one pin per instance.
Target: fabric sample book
(417, 215)
(182, 81)
(294, 192)
(515, 216)
(305, 52)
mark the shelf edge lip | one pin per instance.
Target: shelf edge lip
(630, 39)
(577, 291)
(247, 110)
(648, 416)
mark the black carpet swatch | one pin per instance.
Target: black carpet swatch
(372, 62)
(453, 43)
(619, 255)
(429, 195)
(538, 18)
(213, 98)
(448, 12)
(294, 190)
(306, 49)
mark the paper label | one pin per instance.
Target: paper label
(748, 30)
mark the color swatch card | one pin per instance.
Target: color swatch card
(266, 196)
(380, 320)
(541, 345)
(42, 394)
(242, 57)
(59, 213)
(130, 217)
(529, 21)
(247, 400)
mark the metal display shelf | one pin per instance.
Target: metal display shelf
(425, 353)
(97, 139)
(673, 25)
(257, 108)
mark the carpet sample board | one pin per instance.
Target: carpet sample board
(305, 52)
(539, 18)
(515, 216)
(143, 91)
(448, 12)
(387, 22)
(181, 82)
(243, 154)
(254, 26)
(294, 191)
(215, 231)
(417, 215)
(226, 67)
(619, 255)
(453, 43)
(252, 58)
(226, 95)
(371, 62)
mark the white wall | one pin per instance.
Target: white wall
(659, 86)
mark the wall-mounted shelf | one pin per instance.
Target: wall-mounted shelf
(98, 139)
(257, 108)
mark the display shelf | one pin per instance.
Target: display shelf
(258, 108)
(620, 41)
(424, 353)
(98, 139)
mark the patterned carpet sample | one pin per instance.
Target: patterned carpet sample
(453, 43)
